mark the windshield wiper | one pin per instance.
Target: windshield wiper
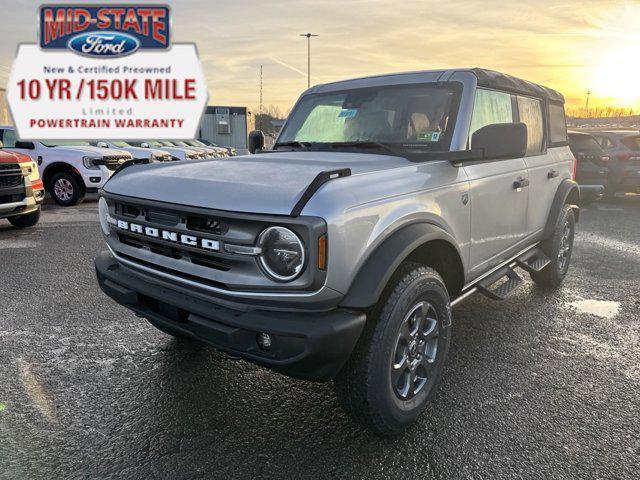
(293, 143)
(368, 144)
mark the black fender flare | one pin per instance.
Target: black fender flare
(565, 189)
(60, 166)
(378, 268)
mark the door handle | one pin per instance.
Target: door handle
(520, 183)
(552, 174)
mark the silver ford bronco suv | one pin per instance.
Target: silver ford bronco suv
(339, 253)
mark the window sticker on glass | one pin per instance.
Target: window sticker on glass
(429, 136)
(348, 112)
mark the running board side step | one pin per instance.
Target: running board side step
(507, 280)
(533, 261)
(504, 280)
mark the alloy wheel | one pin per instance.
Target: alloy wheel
(63, 189)
(565, 247)
(415, 353)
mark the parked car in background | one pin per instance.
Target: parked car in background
(220, 152)
(231, 150)
(208, 151)
(69, 169)
(177, 153)
(339, 253)
(151, 154)
(21, 189)
(592, 172)
(202, 153)
(623, 146)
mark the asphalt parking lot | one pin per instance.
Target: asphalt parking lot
(543, 385)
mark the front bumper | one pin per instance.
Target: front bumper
(308, 345)
(29, 201)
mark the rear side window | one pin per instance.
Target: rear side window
(632, 143)
(530, 111)
(490, 107)
(557, 124)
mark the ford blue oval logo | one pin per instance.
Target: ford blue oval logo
(104, 44)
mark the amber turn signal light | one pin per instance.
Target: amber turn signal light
(322, 252)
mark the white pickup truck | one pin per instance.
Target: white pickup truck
(69, 169)
(151, 154)
(178, 153)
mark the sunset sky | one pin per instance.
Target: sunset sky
(571, 46)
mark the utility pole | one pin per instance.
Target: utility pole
(260, 97)
(308, 35)
(586, 105)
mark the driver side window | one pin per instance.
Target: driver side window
(490, 107)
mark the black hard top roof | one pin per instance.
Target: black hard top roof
(502, 81)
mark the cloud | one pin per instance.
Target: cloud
(558, 43)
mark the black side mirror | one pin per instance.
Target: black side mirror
(25, 145)
(256, 141)
(501, 140)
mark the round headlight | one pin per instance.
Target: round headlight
(282, 254)
(103, 213)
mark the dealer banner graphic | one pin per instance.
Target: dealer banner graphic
(107, 72)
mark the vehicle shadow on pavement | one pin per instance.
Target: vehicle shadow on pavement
(208, 412)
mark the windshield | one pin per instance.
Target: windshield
(419, 115)
(166, 143)
(120, 143)
(180, 143)
(66, 143)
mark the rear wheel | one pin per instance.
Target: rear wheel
(558, 248)
(392, 374)
(25, 221)
(65, 189)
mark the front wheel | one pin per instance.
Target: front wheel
(392, 373)
(25, 221)
(558, 248)
(65, 189)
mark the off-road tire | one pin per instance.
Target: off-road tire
(552, 275)
(70, 183)
(364, 385)
(25, 221)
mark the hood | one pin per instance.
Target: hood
(139, 152)
(7, 156)
(90, 150)
(268, 183)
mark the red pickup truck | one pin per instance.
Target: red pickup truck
(21, 189)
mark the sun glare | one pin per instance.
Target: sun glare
(618, 76)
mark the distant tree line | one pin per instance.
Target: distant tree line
(270, 120)
(600, 112)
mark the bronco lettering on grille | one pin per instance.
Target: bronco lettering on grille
(189, 240)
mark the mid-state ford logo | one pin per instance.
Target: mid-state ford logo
(105, 31)
(104, 44)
